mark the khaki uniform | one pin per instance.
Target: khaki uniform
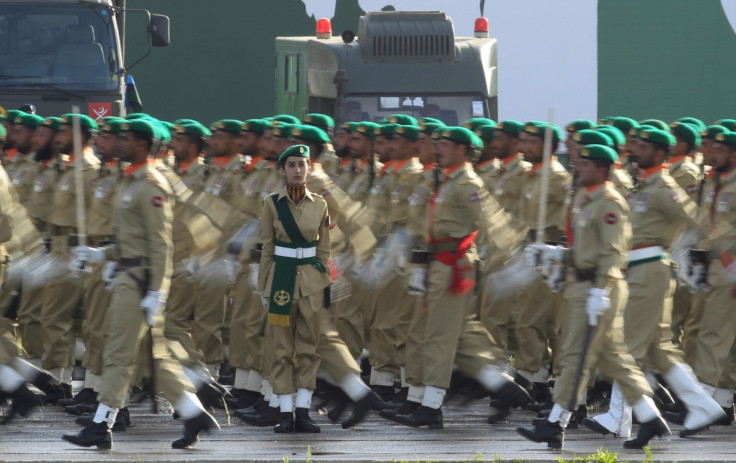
(622, 181)
(330, 162)
(143, 248)
(8, 196)
(295, 359)
(601, 235)
(63, 290)
(22, 171)
(193, 174)
(346, 173)
(488, 171)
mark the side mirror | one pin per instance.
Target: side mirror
(159, 30)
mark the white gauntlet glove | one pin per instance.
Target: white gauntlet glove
(418, 281)
(255, 270)
(597, 304)
(108, 274)
(232, 267)
(556, 278)
(88, 254)
(543, 256)
(192, 267)
(152, 305)
(697, 278)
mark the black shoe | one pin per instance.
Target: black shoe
(726, 420)
(254, 409)
(423, 416)
(652, 428)
(24, 401)
(336, 412)
(386, 393)
(285, 423)
(399, 398)
(81, 409)
(85, 396)
(192, 427)
(595, 426)
(408, 408)
(577, 416)
(267, 416)
(122, 421)
(96, 434)
(56, 392)
(675, 417)
(302, 421)
(599, 394)
(662, 397)
(227, 375)
(212, 395)
(551, 433)
(512, 395)
(371, 401)
(242, 398)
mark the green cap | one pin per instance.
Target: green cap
(712, 130)
(285, 118)
(510, 127)
(618, 137)
(136, 116)
(605, 119)
(486, 132)
(592, 137)
(661, 125)
(142, 125)
(726, 138)
(227, 125)
(300, 151)
(386, 130)
(321, 121)
(688, 132)
(185, 121)
(474, 122)
(112, 125)
(579, 124)
(310, 133)
(700, 125)
(655, 135)
(366, 128)
(403, 119)
(84, 121)
(410, 132)
(29, 120)
(195, 129)
(349, 127)
(282, 130)
(461, 135)
(256, 125)
(624, 124)
(11, 114)
(431, 120)
(427, 127)
(3, 132)
(52, 123)
(538, 128)
(602, 152)
(730, 124)
(164, 131)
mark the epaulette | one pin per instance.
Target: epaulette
(466, 181)
(610, 197)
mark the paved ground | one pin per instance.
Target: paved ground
(466, 437)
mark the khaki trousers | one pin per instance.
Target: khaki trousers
(413, 355)
(681, 307)
(335, 357)
(212, 293)
(8, 346)
(124, 334)
(29, 316)
(691, 326)
(351, 317)
(495, 316)
(533, 316)
(245, 326)
(607, 350)
(96, 303)
(295, 359)
(178, 319)
(383, 330)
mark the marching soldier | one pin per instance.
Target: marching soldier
(328, 158)
(22, 168)
(620, 176)
(143, 249)
(188, 145)
(681, 166)
(487, 166)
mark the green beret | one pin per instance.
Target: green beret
(282, 130)
(486, 132)
(409, 132)
(321, 121)
(712, 130)
(700, 125)
(730, 124)
(3, 132)
(579, 124)
(29, 120)
(592, 137)
(661, 125)
(84, 121)
(437, 133)
(256, 125)
(474, 122)
(142, 125)
(538, 128)
(427, 127)
(349, 127)
(688, 132)
(195, 129)
(52, 123)
(461, 135)
(11, 114)
(164, 133)
(227, 125)
(367, 128)
(185, 121)
(310, 133)
(403, 119)
(112, 125)
(726, 138)
(300, 151)
(605, 120)
(602, 152)
(136, 116)
(431, 120)
(624, 124)
(285, 118)
(169, 125)
(510, 127)
(655, 135)
(385, 130)
(618, 137)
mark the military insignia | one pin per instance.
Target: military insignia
(158, 201)
(691, 189)
(677, 196)
(724, 203)
(474, 197)
(281, 297)
(610, 218)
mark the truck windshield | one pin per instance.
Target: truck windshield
(63, 47)
(450, 109)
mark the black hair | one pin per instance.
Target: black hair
(147, 137)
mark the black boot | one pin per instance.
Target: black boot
(595, 426)
(423, 416)
(254, 409)
(242, 398)
(371, 401)
(302, 421)
(80, 409)
(122, 421)
(408, 408)
(386, 393)
(578, 416)
(266, 416)
(212, 395)
(192, 427)
(96, 434)
(652, 428)
(285, 424)
(510, 395)
(551, 433)
(726, 420)
(662, 398)
(399, 398)
(24, 401)
(677, 418)
(56, 392)
(542, 397)
(85, 396)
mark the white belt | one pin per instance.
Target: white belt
(298, 253)
(645, 253)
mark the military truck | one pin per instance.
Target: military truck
(59, 53)
(407, 62)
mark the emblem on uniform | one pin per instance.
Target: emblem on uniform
(475, 196)
(281, 297)
(157, 201)
(610, 218)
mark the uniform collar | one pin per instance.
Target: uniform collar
(454, 171)
(398, 165)
(185, 165)
(283, 192)
(646, 173)
(224, 163)
(596, 191)
(679, 159)
(136, 170)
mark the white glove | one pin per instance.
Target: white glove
(254, 273)
(88, 254)
(192, 267)
(418, 281)
(541, 255)
(152, 305)
(232, 267)
(556, 278)
(697, 278)
(108, 274)
(264, 301)
(597, 304)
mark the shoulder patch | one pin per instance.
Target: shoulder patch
(474, 197)
(610, 218)
(158, 201)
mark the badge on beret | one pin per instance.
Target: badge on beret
(531, 129)
(611, 218)
(308, 119)
(296, 132)
(125, 127)
(220, 125)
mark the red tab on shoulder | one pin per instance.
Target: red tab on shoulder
(610, 218)
(158, 201)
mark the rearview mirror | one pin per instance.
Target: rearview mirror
(159, 30)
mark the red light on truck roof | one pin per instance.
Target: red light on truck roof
(481, 28)
(324, 28)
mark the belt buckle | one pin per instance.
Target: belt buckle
(299, 253)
